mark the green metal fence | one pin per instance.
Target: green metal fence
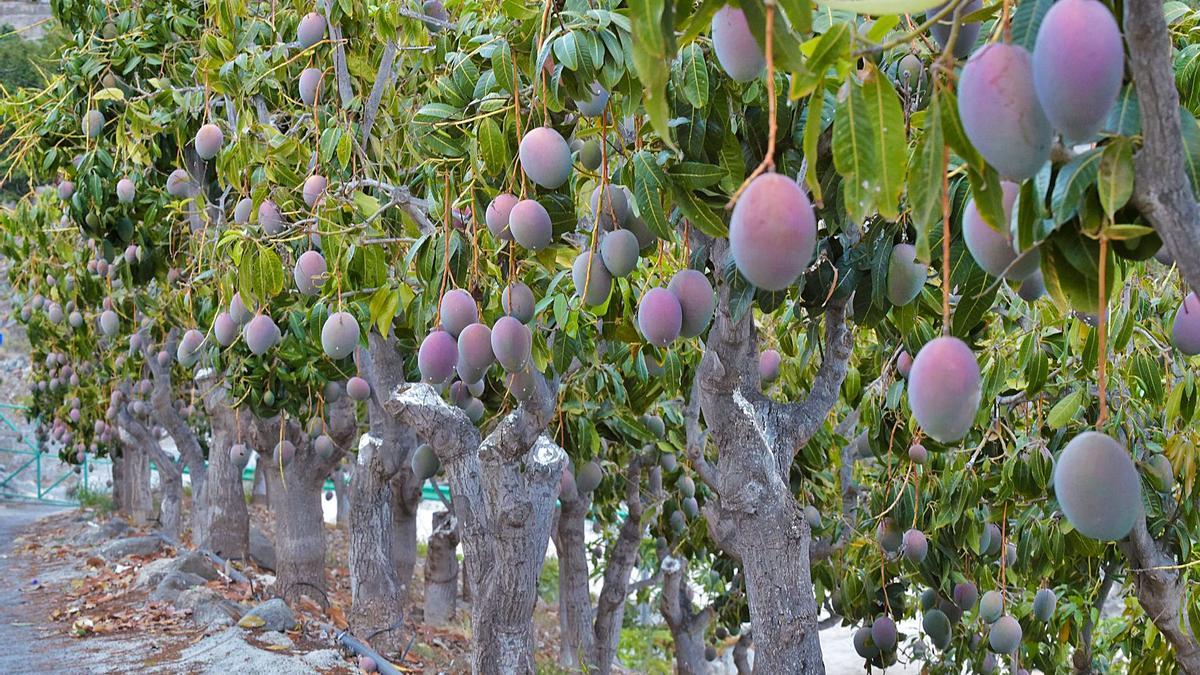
(46, 471)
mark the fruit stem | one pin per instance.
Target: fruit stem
(945, 241)
(768, 161)
(1102, 353)
(517, 115)
(601, 202)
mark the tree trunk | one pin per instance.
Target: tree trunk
(577, 643)
(504, 491)
(752, 514)
(341, 493)
(1082, 658)
(377, 607)
(687, 626)
(441, 570)
(258, 490)
(773, 547)
(118, 478)
(741, 654)
(296, 501)
(162, 400)
(226, 530)
(170, 478)
(406, 500)
(138, 498)
(383, 367)
(299, 531)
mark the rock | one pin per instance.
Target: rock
(193, 563)
(153, 572)
(262, 551)
(324, 659)
(209, 608)
(276, 639)
(173, 584)
(274, 615)
(131, 546)
(196, 563)
(98, 534)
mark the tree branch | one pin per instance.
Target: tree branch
(1162, 191)
(1159, 591)
(382, 77)
(800, 421)
(516, 433)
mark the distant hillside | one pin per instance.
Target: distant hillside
(20, 14)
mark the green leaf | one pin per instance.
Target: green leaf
(502, 68)
(926, 171)
(798, 13)
(1122, 232)
(1189, 131)
(830, 49)
(1073, 179)
(956, 136)
(869, 144)
(877, 7)
(1036, 372)
(700, 214)
(694, 75)
(654, 25)
(1115, 177)
(493, 146)
(1065, 410)
(814, 124)
(260, 274)
(1026, 20)
(383, 307)
(649, 184)
(696, 175)
(566, 51)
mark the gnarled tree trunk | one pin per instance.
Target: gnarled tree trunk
(590, 635)
(170, 476)
(226, 530)
(504, 490)
(577, 642)
(441, 570)
(755, 518)
(136, 498)
(378, 581)
(162, 400)
(687, 625)
(406, 500)
(1161, 593)
(296, 494)
(377, 608)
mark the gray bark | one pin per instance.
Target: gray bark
(590, 635)
(342, 475)
(687, 625)
(504, 489)
(295, 497)
(741, 654)
(170, 475)
(162, 400)
(441, 570)
(406, 499)
(1161, 591)
(577, 641)
(1162, 191)
(226, 530)
(382, 365)
(135, 483)
(377, 608)
(754, 516)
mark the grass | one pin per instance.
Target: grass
(548, 582)
(95, 500)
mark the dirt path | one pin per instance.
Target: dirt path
(29, 647)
